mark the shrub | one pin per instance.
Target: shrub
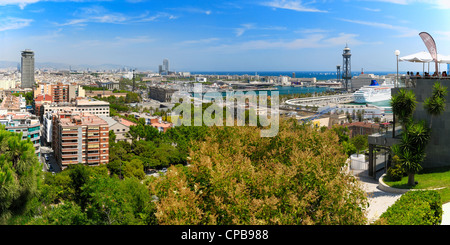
(414, 208)
(396, 172)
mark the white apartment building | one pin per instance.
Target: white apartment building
(96, 107)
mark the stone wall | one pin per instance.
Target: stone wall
(438, 149)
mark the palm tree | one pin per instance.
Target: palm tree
(403, 106)
(411, 149)
(435, 105)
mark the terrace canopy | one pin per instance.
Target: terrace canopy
(425, 57)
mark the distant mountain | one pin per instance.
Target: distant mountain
(62, 66)
(9, 64)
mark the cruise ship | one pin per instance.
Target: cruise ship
(373, 93)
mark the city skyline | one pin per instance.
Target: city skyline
(272, 35)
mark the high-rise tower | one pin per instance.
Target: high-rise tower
(166, 66)
(27, 69)
(347, 67)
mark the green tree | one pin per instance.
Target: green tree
(435, 105)
(20, 175)
(411, 149)
(403, 106)
(342, 132)
(79, 175)
(67, 213)
(344, 139)
(360, 142)
(56, 188)
(118, 202)
(238, 177)
(134, 168)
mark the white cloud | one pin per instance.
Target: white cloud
(20, 3)
(441, 4)
(315, 40)
(245, 27)
(11, 23)
(99, 14)
(403, 31)
(108, 18)
(156, 17)
(23, 3)
(371, 9)
(295, 5)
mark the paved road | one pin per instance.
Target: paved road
(379, 200)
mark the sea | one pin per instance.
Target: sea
(286, 90)
(319, 75)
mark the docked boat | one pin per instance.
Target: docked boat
(373, 93)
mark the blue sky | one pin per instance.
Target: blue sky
(246, 35)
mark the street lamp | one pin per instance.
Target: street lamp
(397, 53)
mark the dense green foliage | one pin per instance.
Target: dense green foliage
(238, 177)
(83, 195)
(234, 176)
(403, 105)
(435, 105)
(396, 172)
(360, 142)
(20, 175)
(344, 139)
(411, 149)
(414, 208)
(414, 137)
(152, 149)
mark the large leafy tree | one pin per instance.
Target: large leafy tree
(360, 142)
(92, 197)
(20, 175)
(238, 177)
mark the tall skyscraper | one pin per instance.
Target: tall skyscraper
(27, 69)
(347, 70)
(166, 66)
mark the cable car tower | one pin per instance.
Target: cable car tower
(347, 67)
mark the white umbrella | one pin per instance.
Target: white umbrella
(422, 57)
(444, 59)
(425, 57)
